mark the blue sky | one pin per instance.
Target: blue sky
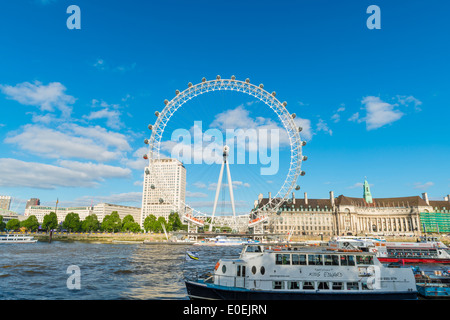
(76, 103)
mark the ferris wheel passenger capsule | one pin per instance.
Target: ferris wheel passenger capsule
(274, 93)
(284, 103)
(190, 84)
(247, 80)
(147, 171)
(297, 187)
(177, 92)
(304, 158)
(146, 141)
(233, 78)
(203, 79)
(161, 200)
(157, 113)
(166, 102)
(300, 129)
(150, 127)
(145, 157)
(152, 186)
(261, 86)
(303, 143)
(302, 173)
(293, 116)
(218, 77)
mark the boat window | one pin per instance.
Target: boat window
(308, 285)
(253, 269)
(331, 260)
(278, 284)
(315, 259)
(224, 269)
(294, 285)
(262, 270)
(282, 259)
(352, 286)
(338, 286)
(299, 259)
(238, 272)
(278, 259)
(364, 259)
(347, 260)
(323, 286)
(253, 249)
(243, 271)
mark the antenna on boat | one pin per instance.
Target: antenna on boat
(226, 149)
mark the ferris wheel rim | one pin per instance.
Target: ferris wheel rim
(232, 84)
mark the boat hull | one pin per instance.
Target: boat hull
(197, 290)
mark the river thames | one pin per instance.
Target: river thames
(107, 271)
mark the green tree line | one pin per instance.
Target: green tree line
(110, 223)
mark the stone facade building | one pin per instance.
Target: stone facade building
(344, 215)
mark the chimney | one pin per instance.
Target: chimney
(425, 197)
(447, 198)
(270, 196)
(306, 198)
(260, 197)
(293, 197)
(332, 198)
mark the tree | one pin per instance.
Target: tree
(174, 222)
(72, 222)
(2, 224)
(91, 223)
(31, 223)
(128, 224)
(13, 224)
(50, 221)
(150, 223)
(159, 223)
(112, 222)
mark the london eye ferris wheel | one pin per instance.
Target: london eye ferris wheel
(293, 159)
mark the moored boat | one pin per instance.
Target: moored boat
(224, 241)
(425, 251)
(16, 238)
(303, 273)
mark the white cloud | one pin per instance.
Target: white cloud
(423, 186)
(101, 64)
(50, 143)
(407, 100)
(322, 126)
(96, 171)
(46, 97)
(379, 113)
(200, 185)
(17, 173)
(112, 117)
(354, 117)
(190, 194)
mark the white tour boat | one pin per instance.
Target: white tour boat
(16, 238)
(224, 241)
(303, 273)
(426, 250)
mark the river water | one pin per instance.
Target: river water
(106, 271)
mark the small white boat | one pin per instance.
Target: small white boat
(16, 238)
(225, 241)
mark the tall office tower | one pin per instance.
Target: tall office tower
(164, 188)
(5, 202)
(33, 202)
